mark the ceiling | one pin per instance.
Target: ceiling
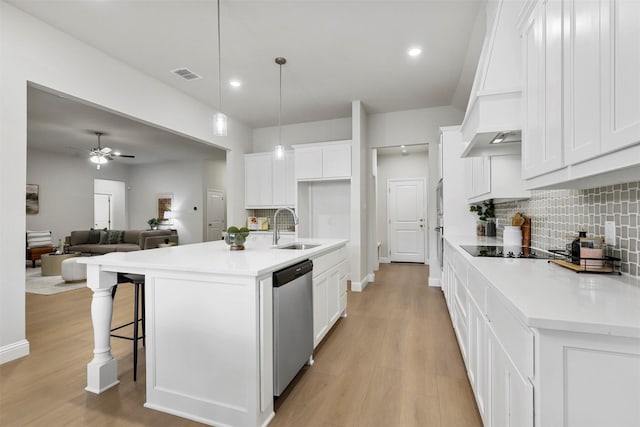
(337, 51)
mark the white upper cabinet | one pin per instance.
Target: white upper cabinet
(330, 160)
(621, 75)
(494, 177)
(542, 49)
(582, 93)
(269, 182)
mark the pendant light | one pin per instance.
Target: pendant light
(219, 118)
(279, 149)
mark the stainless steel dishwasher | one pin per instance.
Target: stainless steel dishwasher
(292, 322)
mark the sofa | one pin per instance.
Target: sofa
(100, 242)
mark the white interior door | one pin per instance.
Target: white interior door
(215, 214)
(406, 213)
(102, 211)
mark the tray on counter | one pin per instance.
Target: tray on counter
(606, 264)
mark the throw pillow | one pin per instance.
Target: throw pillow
(104, 238)
(38, 239)
(94, 237)
(114, 237)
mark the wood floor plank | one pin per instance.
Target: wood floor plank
(392, 361)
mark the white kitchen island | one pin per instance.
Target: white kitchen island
(209, 342)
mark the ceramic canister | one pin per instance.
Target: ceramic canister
(512, 236)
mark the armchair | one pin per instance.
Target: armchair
(38, 243)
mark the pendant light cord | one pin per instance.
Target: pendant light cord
(280, 110)
(219, 63)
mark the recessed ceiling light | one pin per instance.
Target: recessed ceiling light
(235, 83)
(402, 146)
(414, 51)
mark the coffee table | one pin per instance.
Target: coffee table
(51, 263)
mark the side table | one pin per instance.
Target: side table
(51, 263)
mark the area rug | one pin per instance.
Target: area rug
(49, 285)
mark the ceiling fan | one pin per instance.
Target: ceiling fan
(101, 155)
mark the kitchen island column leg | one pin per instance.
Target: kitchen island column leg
(102, 371)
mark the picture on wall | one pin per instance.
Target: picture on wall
(164, 208)
(33, 203)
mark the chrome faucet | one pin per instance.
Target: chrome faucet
(275, 223)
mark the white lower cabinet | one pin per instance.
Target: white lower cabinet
(575, 379)
(510, 395)
(329, 292)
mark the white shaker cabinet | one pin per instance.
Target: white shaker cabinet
(258, 180)
(581, 93)
(269, 182)
(326, 160)
(494, 177)
(542, 130)
(329, 292)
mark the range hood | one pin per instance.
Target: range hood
(492, 123)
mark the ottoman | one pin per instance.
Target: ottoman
(72, 270)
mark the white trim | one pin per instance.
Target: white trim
(372, 277)
(435, 282)
(385, 260)
(359, 286)
(14, 351)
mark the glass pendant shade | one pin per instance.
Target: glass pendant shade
(279, 151)
(100, 160)
(220, 124)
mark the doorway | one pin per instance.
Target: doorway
(406, 213)
(109, 205)
(216, 208)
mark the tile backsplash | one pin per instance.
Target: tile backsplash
(285, 219)
(558, 215)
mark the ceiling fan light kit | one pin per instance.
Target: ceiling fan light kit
(101, 155)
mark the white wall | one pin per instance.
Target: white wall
(360, 172)
(265, 139)
(31, 51)
(182, 179)
(66, 186)
(396, 166)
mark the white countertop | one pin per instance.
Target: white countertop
(258, 258)
(546, 295)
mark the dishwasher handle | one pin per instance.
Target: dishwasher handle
(291, 273)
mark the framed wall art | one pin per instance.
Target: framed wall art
(33, 202)
(165, 205)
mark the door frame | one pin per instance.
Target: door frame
(424, 211)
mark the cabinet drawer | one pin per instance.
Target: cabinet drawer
(328, 260)
(515, 337)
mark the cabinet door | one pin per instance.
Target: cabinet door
(336, 161)
(510, 395)
(284, 181)
(582, 80)
(258, 180)
(308, 163)
(620, 74)
(290, 183)
(478, 176)
(333, 295)
(542, 130)
(320, 311)
(477, 367)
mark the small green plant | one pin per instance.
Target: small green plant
(485, 211)
(153, 222)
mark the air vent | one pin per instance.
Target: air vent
(186, 74)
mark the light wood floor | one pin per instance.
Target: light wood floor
(392, 362)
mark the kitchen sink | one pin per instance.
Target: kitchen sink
(298, 246)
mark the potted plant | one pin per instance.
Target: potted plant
(153, 223)
(487, 216)
(235, 237)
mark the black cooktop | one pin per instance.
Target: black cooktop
(508, 252)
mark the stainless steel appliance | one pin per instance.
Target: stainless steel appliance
(439, 224)
(292, 322)
(498, 251)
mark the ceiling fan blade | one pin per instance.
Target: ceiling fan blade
(106, 150)
(123, 155)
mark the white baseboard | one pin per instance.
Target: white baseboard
(359, 286)
(14, 351)
(372, 277)
(435, 282)
(385, 260)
